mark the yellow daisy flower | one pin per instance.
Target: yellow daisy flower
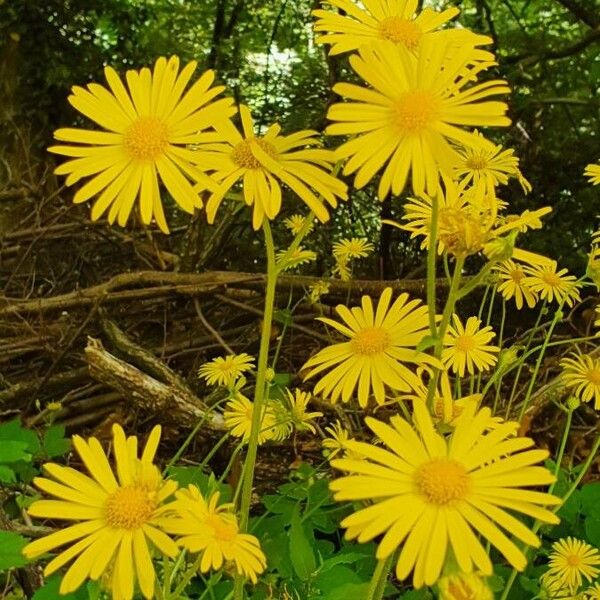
(433, 494)
(226, 370)
(380, 343)
(238, 419)
(551, 284)
(592, 592)
(337, 442)
(583, 374)
(298, 403)
(468, 347)
(212, 529)
(261, 162)
(289, 259)
(119, 518)
(316, 290)
(352, 248)
(572, 560)
(593, 266)
(512, 284)
(555, 589)
(593, 172)
(149, 126)
(342, 268)
(414, 107)
(392, 20)
(464, 586)
(488, 168)
(295, 223)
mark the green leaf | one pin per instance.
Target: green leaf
(417, 595)
(332, 579)
(301, 552)
(348, 590)
(284, 316)
(13, 431)
(495, 583)
(589, 496)
(50, 591)
(12, 451)
(54, 442)
(11, 550)
(7, 475)
(592, 531)
(347, 558)
(205, 482)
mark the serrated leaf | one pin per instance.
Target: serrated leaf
(301, 551)
(12, 451)
(54, 442)
(11, 550)
(13, 431)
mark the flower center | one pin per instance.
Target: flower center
(223, 530)
(517, 275)
(442, 481)
(465, 343)
(477, 162)
(552, 279)
(415, 111)
(370, 341)
(460, 591)
(400, 31)
(146, 138)
(242, 153)
(573, 560)
(593, 375)
(130, 507)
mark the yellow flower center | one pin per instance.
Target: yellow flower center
(400, 31)
(552, 279)
(477, 162)
(461, 233)
(593, 375)
(465, 343)
(146, 138)
(415, 111)
(517, 275)
(461, 591)
(442, 481)
(130, 507)
(573, 560)
(242, 153)
(370, 341)
(223, 530)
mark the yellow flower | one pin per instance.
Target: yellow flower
(238, 419)
(593, 266)
(513, 284)
(119, 518)
(592, 592)
(342, 269)
(551, 284)
(148, 128)
(583, 374)
(593, 172)
(298, 403)
(226, 370)
(352, 248)
(467, 347)
(572, 560)
(553, 588)
(316, 290)
(380, 343)
(464, 586)
(393, 20)
(433, 494)
(289, 259)
(261, 162)
(414, 108)
(337, 441)
(296, 222)
(489, 167)
(213, 530)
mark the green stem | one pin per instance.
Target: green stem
(379, 579)
(561, 449)
(431, 265)
(187, 577)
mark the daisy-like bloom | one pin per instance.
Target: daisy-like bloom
(289, 259)
(414, 107)
(392, 20)
(316, 290)
(352, 248)
(468, 347)
(226, 370)
(148, 126)
(119, 518)
(262, 162)
(487, 168)
(553, 587)
(342, 268)
(572, 560)
(432, 493)
(296, 222)
(464, 586)
(337, 442)
(553, 285)
(593, 172)
(212, 529)
(380, 343)
(238, 419)
(512, 284)
(592, 592)
(298, 404)
(582, 372)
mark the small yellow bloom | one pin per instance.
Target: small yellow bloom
(582, 372)
(226, 370)
(337, 441)
(212, 529)
(298, 403)
(342, 269)
(119, 518)
(317, 290)
(467, 347)
(572, 560)
(553, 285)
(593, 172)
(289, 259)
(552, 587)
(352, 248)
(513, 284)
(464, 586)
(592, 592)
(238, 419)
(296, 222)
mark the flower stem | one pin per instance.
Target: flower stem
(379, 579)
(431, 262)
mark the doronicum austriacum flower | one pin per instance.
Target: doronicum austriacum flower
(148, 128)
(238, 419)
(582, 372)
(553, 285)
(512, 284)
(212, 529)
(226, 370)
(464, 586)
(119, 518)
(592, 171)
(380, 342)
(434, 495)
(413, 109)
(349, 248)
(261, 162)
(467, 347)
(572, 560)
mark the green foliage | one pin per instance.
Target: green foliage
(11, 546)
